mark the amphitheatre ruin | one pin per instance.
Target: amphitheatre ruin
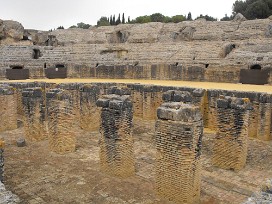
(137, 113)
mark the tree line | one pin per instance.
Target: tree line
(250, 9)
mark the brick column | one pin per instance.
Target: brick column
(8, 108)
(231, 142)
(264, 117)
(34, 114)
(179, 131)
(116, 142)
(61, 121)
(89, 112)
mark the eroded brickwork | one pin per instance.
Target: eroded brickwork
(8, 106)
(61, 121)
(179, 131)
(116, 142)
(264, 118)
(34, 114)
(231, 142)
(89, 112)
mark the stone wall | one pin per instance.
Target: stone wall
(116, 141)
(190, 50)
(231, 142)
(179, 131)
(61, 121)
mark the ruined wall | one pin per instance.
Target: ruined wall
(231, 142)
(116, 142)
(179, 131)
(61, 121)
(89, 112)
(190, 50)
(34, 118)
(8, 104)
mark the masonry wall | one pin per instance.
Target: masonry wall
(179, 130)
(116, 142)
(62, 127)
(231, 141)
(34, 118)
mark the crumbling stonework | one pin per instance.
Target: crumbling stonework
(264, 118)
(179, 131)
(231, 142)
(264, 196)
(8, 104)
(176, 51)
(89, 112)
(34, 114)
(116, 142)
(61, 121)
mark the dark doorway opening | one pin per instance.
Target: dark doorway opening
(256, 66)
(17, 72)
(16, 67)
(207, 65)
(44, 65)
(25, 37)
(60, 66)
(36, 53)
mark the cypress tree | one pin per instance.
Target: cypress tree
(123, 19)
(113, 20)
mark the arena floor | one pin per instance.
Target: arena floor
(205, 85)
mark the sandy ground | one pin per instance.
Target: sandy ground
(37, 175)
(205, 85)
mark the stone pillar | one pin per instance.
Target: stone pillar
(116, 142)
(137, 98)
(61, 121)
(231, 141)
(34, 114)
(264, 117)
(179, 131)
(2, 144)
(89, 112)
(8, 108)
(152, 99)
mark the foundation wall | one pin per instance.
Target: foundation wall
(8, 108)
(231, 142)
(116, 142)
(61, 121)
(179, 130)
(34, 118)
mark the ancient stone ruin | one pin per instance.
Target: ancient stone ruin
(231, 142)
(136, 127)
(61, 124)
(116, 142)
(179, 131)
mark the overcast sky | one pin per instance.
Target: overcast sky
(49, 14)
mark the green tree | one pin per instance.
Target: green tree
(128, 19)
(253, 9)
(118, 21)
(189, 17)
(113, 20)
(123, 19)
(167, 19)
(143, 19)
(60, 27)
(103, 21)
(226, 18)
(178, 18)
(157, 17)
(83, 25)
(258, 9)
(73, 26)
(208, 18)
